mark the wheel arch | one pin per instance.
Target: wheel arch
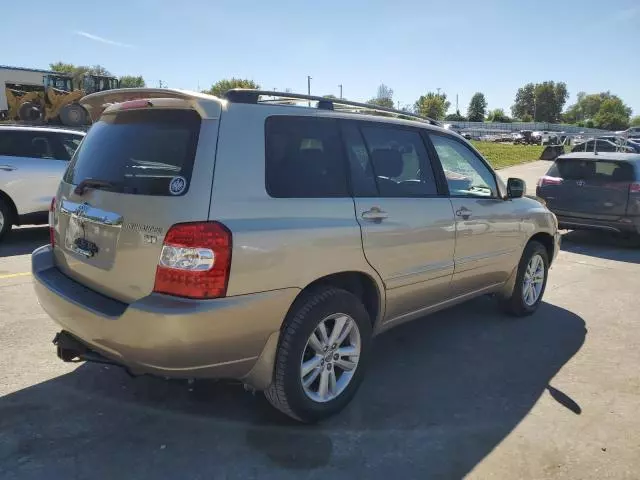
(546, 239)
(15, 218)
(359, 283)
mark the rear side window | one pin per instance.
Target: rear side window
(139, 151)
(601, 170)
(33, 144)
(398, 161)
(304, 158)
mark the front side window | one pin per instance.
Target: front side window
(466, 174)
(304, 158)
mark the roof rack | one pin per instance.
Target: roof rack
(246, 95)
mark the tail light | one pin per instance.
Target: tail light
(547, 180)
(195, 261)
(52, 222)
(634, 187)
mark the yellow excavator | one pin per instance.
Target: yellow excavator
(57, 101)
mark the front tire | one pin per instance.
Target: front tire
(531, 281)
(323, 352)
(5, 219)
(73, 115)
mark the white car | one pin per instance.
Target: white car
(32, 162)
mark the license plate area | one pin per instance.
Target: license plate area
(91, 234)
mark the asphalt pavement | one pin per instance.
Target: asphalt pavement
(466, 392)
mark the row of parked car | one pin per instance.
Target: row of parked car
(199, 237)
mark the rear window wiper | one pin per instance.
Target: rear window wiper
(93, 183)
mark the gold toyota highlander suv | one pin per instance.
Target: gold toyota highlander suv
(255, 239)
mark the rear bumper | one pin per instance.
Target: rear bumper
(233, 337)
(620, 224)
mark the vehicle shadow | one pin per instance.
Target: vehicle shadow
(21, 241)
(440, 395)
(602, 245)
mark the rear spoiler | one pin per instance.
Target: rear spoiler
(207, 106)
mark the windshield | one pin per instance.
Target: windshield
(139, 152)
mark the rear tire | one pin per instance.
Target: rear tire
(531, 281)
(29, 112)
(292, 391)
(5, 219)
(73, 115)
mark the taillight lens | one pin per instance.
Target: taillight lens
(547, 180)
(195, 261)
(52, 222)
(634, 187)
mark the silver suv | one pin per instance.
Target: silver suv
(32, 161)
(238, 238)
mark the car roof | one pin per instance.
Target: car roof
(617, 156)
(36, 128)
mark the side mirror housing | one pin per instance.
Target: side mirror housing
(516, 188)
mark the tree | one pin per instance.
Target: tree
(63, 67)
(456, 117)
(543, 101)
(383, 98)
(498, 115)
(477, 107)
(222, 86)
(587, 107)
(432, 105)
(635, 121)
(612, 115)
(130, 81)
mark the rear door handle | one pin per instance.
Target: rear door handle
(7, 168)
(374, 214)
(463, 212)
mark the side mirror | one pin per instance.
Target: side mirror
(516, 187)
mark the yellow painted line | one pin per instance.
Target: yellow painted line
(14, 275)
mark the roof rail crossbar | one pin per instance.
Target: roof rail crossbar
(246, 95)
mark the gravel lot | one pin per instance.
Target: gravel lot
(466, 392)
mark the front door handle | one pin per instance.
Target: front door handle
(374, 214)
(463, 212)
(7, 168)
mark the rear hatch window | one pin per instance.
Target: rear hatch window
(583, 186)
(600, 171)
(140, 152)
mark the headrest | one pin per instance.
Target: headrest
(387, 162)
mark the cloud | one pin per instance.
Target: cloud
(102, 39)
(626, 14)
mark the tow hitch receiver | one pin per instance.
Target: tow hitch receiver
(68, 348)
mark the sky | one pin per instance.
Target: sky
(460, 47)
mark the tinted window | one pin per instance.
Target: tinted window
(601, 170)
(69, 143)
(466, 174)
(10, 144)
(398, 161)
(304, 158)
(138, 151)
(363, 181)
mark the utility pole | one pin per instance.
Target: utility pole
(309, 87)
(340, 90)
(160, 84)
(457, 109)
(438, 89)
